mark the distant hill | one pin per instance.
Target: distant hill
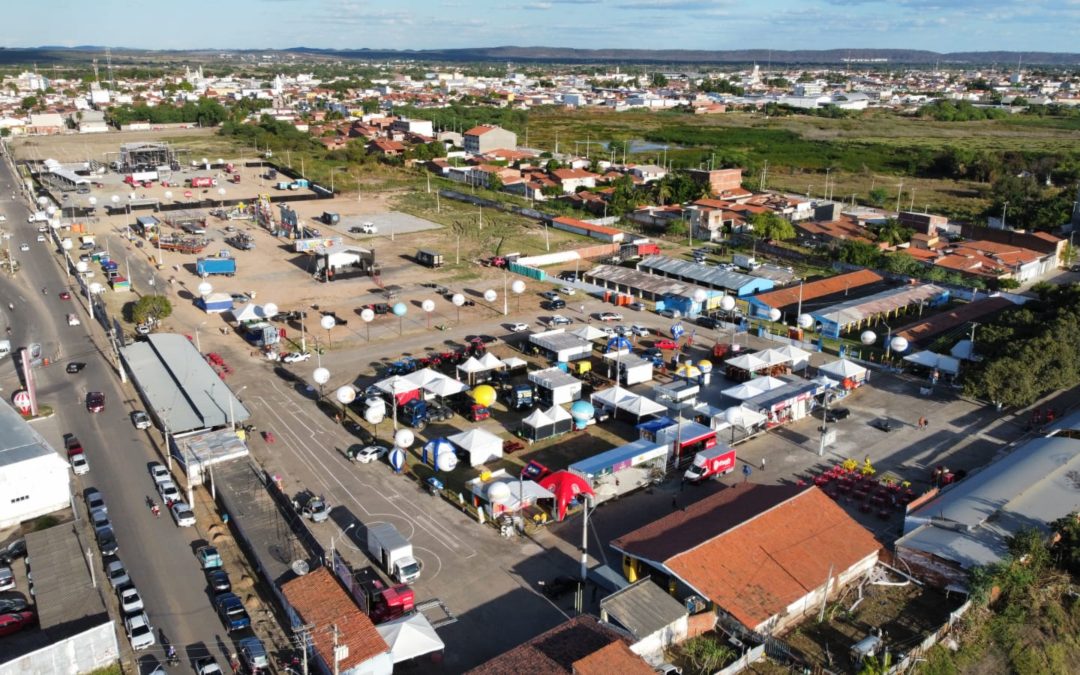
(913, 57)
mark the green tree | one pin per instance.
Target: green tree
(156, 306)
(771, 227)
(900, 262)
(858, 253)
(553, 165)
(369, 105)
(495, 182)
(893, 233)
(1066, 550)
(658, 80)
(878, 196)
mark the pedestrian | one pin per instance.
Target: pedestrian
(921, 423)
(225, 519)
(762, 463)
(925, 423)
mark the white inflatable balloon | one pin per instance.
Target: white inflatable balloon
(427, 306)
(490, 295)
(518, 286)
(374, 415)
(205, 289)
(404, 438)
(270, 310)
(367, 315)
(321, 376)
(868, 337)
(346, 394)
(458, 299)
(727, 303)
(498, 493)
(805, 321)
(775, 314)
(899, 344)
(327, 322)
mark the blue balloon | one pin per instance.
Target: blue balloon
(399, 309)
(397, 459)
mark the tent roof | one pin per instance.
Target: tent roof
(931, 359)
(410, 636)
(793, 353)
(537, 419)
(475, 439)
(472, 365)
(514, 362)
(773, 357)
(589, 333)
(745, 417)
(641, 406)
(747, 362)
(445, 387)
(558, 413)
(249, 312)
(752, 388)
(843, 368)
(489, 361)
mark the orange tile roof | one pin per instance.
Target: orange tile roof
(615, 658)
(939, 323)
(570, 174)
(819, 289)
(926, 255)
(754, 549)
(574, 222)
(554, 652)
(320, 600)
(479, 130)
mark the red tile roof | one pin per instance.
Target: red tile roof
(939, 323)
(479, 130)
(554, 652)
(615, 658)
(571, 174)
(754, 549)
(321, 601)
(574, 222)
(819, 289)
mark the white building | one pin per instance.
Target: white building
(33, 476)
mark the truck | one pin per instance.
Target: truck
(242, 241)
(205, 267)
(718, 460)
(329, 218)
(429, 258)
(417, 413)
(393, 552)
(384, 602)
(746, 262)
(520, 396)
(142, 178)
(464, 405)
(201, 181)
(299, 183)
(234, 179)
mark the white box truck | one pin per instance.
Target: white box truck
(393, 552)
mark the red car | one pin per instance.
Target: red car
(95, 401)
(64, 295)
(15, 622)
(665, 344)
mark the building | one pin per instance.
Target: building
(408, 126)
(922, 223)
(718, 180)
(859, 313)
(711, 278)
(92, 122)
(601, 232)
(656, 620)
(969, 523)
(486, 137)
(318, 600)
(33, 476)
(764, 555)
(571, 180)
(814, 294)
(47, 124)
(582, 646)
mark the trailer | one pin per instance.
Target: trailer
(393, 552)
(429, 258)
(201, 182)
(205, 267)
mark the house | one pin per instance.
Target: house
(763, 555)
(648, 173)
(92, 122)
(386, 148)
(572, 179)
(418, 127)
(583, 646)
(654, 619)
(317, 599)
(717, 180)
(34, 477)
(486, 137)
(601, 232)
(969, 523)
(47, 124)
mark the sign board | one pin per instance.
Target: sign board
(305, 245)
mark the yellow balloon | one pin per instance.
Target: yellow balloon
(484, 395)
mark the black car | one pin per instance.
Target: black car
(567, 276)
(13, 551)
(836, 414)
(218, 580)
(13, 602)
(380, 308)
(707, 322)
(559, 586)
(75, 367)
(107, 541)
(555, 304)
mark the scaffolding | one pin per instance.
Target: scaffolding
(146, 157)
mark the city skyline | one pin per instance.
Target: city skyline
(936, 25)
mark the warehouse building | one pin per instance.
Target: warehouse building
(713, 278)
(33, 476)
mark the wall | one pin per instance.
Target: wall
(811, 602)
(651, 648)
(84, 652)
(43, 481)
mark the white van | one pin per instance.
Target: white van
(73, 320)
(5, 347)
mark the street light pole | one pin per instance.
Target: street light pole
(232, 417)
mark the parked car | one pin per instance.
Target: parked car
(7, 579)
(168, 490)
(609, 316)
(554, 305)
(24, 247)
(140, 419)
(182, 514)
(637, 306)
(79, 465)
(208, 557)
(12, 602)
(240, 298)
(707, 322)
(231, 610)
(106, 540)
(207, 666)
(139, 631)
(567, 276)
(296, 357)
(559, 586)
(371, 453)
(253, 654)
(665, 343)
(218, 580)
(560, 320)
(15, 622)
(550, 295)
(568, 290)
(75, 367)
(99, 519)
(94, 500)
(64, 295)
(130, 600)
(117, 573)
(836, 414)
(95, 401)
(639, 330)
(671, 313)
(519, 327)
(159, 473)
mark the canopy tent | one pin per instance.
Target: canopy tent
(489, 361)
(621, 399)
(773, 357)
(479, 370)
(482, 445)
(799, 358)
(589, 333)
(566, 487)
(431, 381)
(444, 387)
(520, 494)
(929, 359)
(752, 388)
(513, 363)
(748, 362)
(410, 636)
(743, 417)
(563, 420)
(964, 350)
(844, 370)
(216, 303)
(537, 426)
(250, 312)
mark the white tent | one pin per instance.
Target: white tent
(748, 362)
(752, 388)
(482, 445)
(843, 369)
(250, 312)
(489, 361)
(559, 414)
(928, 359)
(743, 417)
(799, 358)
(641, 406)
(538, 419)
(514, 362)
(445, 386)
(472, 365)
(589, 333)
(410, 636)
(609, 398)
(773, 357)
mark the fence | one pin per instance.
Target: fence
(751, 655)
(915, 654)
(492, 204)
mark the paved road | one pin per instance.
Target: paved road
(157, 554)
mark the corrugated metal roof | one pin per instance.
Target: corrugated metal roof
(179, 386)
(818, 289)
(643, 608)
(19, 441)
(642, 281)
(854, 311)
(712, 277)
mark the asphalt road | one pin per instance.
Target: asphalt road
(158, 555)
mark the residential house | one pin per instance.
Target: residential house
(654, 619)
(648, 173)
(717, 180)
(46, 124)
(486, 137)
(318, 599)
(92, 122)
(385, 147)
(409, 126)
(572, 179)
(763, 555)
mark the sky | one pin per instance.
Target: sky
(936, 25)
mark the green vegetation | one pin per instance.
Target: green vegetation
(704, 654)
(205, 113)
(1029, 351)
(771, 227)
(1025, 618)
(463, 117)
(961, 111)
(156, 306)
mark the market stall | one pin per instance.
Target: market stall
(555, 386)
(621, 469)
(410, 636)
(567, 488)
(480, 445)
(752, 388)
(500, 494)
(849, 374)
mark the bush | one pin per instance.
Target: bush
(156, 306)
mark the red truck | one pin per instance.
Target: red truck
(201, 181)
(72, 444)
(715, 461)
(384, 603)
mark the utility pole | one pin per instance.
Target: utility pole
(899, 192)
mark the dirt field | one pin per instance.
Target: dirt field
(199, 143)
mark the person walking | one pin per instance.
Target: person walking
(922, 423)
(762, 463)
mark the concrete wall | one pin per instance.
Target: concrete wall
(811, 602)
(33, 488)
(651, 648)
(82, 653)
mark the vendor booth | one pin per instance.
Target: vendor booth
(478, 444)
(501, 494)
(849, 374)
(622, 469)
(479, 370)
(931, 361)
(767, 362)
(555, 386)
(215, 303)
(740, 422)
(410, 636)
(568, 487)
(751, 388)
(541, 424)
(635, 406)
(632, 368)
(788, 403)
(561, 346)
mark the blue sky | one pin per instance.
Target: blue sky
(938, 25)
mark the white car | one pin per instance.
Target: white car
(3, 218)
(639, 330)
(130, 600)
(141, 420)
(24, 247)
(183, 515)
(79, 465)
(560, 320)
(7, 579)
(609, 316)
(43, 228)
(139, 631)
(371, 453)
(567, 290)
(41, 238)
(168, 490)
(519, 327)
(296, 357)
(159, 473)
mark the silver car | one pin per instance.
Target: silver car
(139, 631)
(130, 600)
(117, 574)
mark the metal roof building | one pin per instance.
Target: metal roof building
(179, 386)
(853, 314)
(969, 523)
(713, 278)
(34, 478)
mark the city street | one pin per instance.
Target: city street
(158, 555)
